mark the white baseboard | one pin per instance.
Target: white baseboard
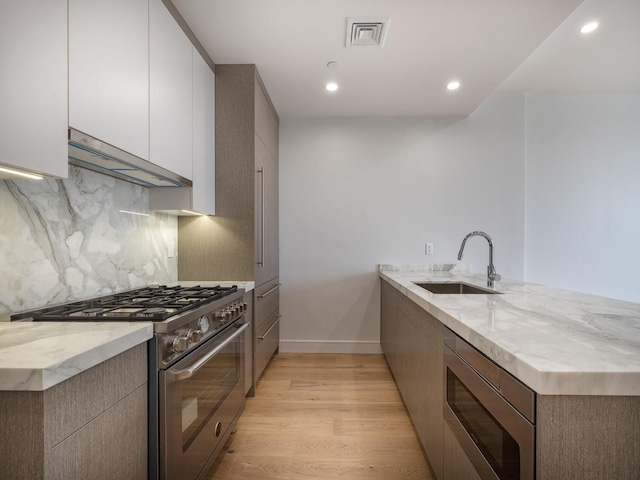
(329, 346)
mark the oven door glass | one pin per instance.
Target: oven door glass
(200, 397)
(203, 393)
(498, 447)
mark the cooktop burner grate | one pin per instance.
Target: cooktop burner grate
(143, 304)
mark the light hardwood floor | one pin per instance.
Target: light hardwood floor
(323, 417)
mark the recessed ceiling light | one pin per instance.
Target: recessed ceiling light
(332, 87)
(453, 85)
(589, 27)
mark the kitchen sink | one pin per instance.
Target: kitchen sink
(459, 288)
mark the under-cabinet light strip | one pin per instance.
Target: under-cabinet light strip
(32, 176)
(135, 213)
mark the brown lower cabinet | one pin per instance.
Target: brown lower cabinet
(91, 426)
(587, 436)
(412, 344)
(248, 346)
(267, 325)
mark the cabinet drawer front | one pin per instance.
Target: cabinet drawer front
(267, 342)
(267, 301)
(113, 445)
(93, 392)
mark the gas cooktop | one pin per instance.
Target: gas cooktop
(156, 303)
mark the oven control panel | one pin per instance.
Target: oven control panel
(199, 330)
(230, 312)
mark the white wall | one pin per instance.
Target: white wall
(357, 192)
(583, 193)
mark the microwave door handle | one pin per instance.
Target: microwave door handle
(185, 373)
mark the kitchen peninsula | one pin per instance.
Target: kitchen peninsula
(580, 353)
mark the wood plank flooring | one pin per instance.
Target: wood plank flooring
(324, 416)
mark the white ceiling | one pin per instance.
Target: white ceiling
(605, 61)
(429, 43)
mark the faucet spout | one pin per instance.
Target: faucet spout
(492, 276)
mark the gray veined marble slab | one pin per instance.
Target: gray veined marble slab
(38, 355)
(90, 235)
(556, 341)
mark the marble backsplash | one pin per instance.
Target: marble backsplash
(89, 235)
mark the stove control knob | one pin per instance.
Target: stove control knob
(228, 314)
(180, 343)
(195, 336)
(243, 307)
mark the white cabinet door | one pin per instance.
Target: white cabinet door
(204, 167)
(109, 72)
(33, 86)
(170, 89)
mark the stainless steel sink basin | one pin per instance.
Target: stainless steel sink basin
(458, 288)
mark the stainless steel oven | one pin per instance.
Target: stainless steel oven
(491, 414)
(200, 398)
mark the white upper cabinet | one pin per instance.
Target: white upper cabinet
(201, 196)
(33, 86)
(170, 83)
(204, 166)
(109, 72)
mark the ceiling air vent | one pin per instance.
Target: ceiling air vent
(367, 31)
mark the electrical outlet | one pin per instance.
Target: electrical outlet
(428, 248)
(171, 249)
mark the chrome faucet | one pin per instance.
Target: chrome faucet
(492, 276)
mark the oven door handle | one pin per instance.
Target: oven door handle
(185, 373)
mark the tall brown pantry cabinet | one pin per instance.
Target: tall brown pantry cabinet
(241, 242)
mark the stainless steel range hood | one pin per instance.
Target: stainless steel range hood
(88, 152)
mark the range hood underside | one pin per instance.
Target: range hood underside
(93, 154)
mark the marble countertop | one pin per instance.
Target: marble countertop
(38, 355)
(557, 342)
